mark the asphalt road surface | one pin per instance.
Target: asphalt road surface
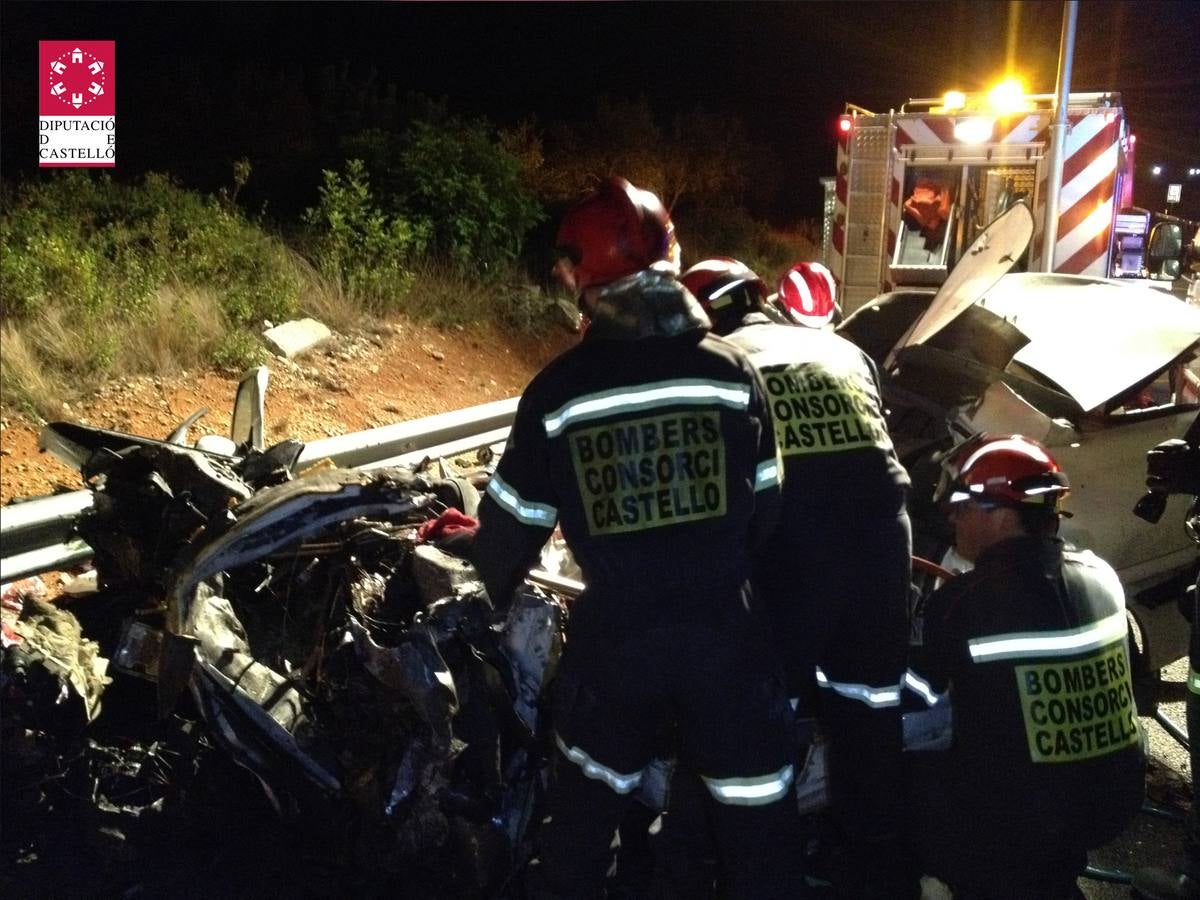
(1152, 840)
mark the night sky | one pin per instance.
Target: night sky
(184, 70)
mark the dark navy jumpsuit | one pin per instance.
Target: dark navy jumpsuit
(1046, 760)
(651, 445)
(834, 583)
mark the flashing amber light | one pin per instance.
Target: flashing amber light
(1008, 96)
(844, 124)
(953, 100)
(974, 130)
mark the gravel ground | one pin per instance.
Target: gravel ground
(1152, 840)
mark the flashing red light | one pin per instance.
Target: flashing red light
(1133, 139)
(844, 123)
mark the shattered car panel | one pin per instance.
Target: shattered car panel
(1097, 371)
(359, 690)
(353, 670)
(992, 254)
(1094, 339)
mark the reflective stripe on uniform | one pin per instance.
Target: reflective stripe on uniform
(687, 391)
(922, 688)
(876, 697)
(767, 474)
(757, 790)
(525, 511)
(622, 784)
(1194, 681)
(1068, 642)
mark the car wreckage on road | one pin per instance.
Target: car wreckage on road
(315, 627)
(1098, 371)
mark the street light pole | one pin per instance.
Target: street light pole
(1058, 134)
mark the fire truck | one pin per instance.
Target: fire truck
(915, 186)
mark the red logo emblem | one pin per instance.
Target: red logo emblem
(77, 103)
(77, 78)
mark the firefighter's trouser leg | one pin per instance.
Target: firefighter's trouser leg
(849, 621)
(634, 860)
(688, 859)
(710, 679)
(736, 728)
(862, 666)
(985, 854)
(574, 843)
(761, 856)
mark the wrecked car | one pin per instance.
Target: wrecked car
(316, 628)
(1096, 370)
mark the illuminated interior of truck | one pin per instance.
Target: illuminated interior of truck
(945, 207)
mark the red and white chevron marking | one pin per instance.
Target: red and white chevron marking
(1085, 205)
(938, 130)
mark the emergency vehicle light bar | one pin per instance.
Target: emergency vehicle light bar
(1045, 101)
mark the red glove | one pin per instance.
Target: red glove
(451, 527)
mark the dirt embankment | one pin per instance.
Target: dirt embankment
(393, 372)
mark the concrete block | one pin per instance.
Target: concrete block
(295, 338)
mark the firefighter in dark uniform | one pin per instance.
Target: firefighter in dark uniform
(650, 444)
(834, 586)
(1046, 760)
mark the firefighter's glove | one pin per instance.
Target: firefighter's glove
(453, 531)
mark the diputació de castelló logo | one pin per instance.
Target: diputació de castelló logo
(77, 104)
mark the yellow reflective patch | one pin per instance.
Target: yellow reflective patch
(1080, 709)
(817, 411)
(650, 472)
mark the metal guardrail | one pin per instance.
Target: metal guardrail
(39, 535)
(351, 451)
(33, 524)
(44, 559)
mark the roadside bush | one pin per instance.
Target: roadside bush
(446, 296)
(29, 385)
(179, 331)
(459, 182)
(358, 247)
(238, 350)
(98, 249)
(373, 258)
(100, 279)
(470, 190)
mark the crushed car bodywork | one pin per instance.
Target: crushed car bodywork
(324, 646)
(1097, 371)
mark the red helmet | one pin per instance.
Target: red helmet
(808, 294)
(1005, 469)
(615, 231)
(726, 288)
